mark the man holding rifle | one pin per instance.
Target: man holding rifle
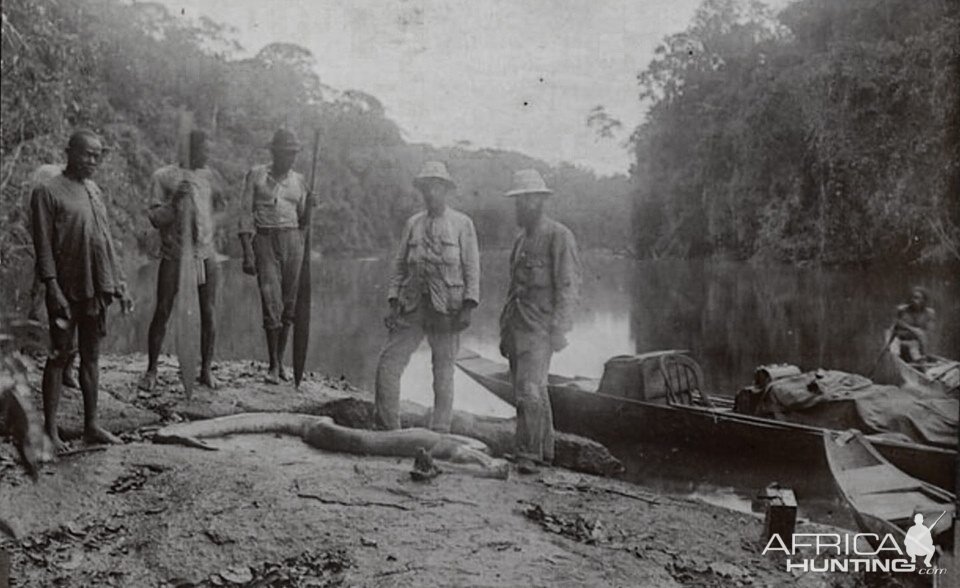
(175, 188)
(274, 213)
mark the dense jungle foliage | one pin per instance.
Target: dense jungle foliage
(829, 131)
(125, 70)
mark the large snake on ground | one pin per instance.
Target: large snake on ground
(321, 432)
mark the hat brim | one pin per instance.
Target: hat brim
(420, 179)
(545, 192)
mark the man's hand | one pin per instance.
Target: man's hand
(184, 189)
(464, 316)
(126, 301)
(57, 304)
(391, 321)
(557, 341)
(249, 267)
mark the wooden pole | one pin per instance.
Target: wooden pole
(187, 305)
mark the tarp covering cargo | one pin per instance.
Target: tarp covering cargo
(840, 400)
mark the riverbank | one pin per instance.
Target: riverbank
(275, 510)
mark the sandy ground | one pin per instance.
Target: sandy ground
(271, 511)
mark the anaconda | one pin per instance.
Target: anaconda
(321, 432)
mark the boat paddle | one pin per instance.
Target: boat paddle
(883, 350)
(301, 321)
(187, 303)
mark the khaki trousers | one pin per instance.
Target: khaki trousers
(530, 355)
(279, 255)
(409, 330)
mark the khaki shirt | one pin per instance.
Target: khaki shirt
(71, 238)
(163, 213)
(438, 258)
(272, 203)
(544, 281)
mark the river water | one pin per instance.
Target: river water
(732, 317)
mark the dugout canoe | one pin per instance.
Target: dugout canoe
(935, 375)
(633, 414)
(883, 499)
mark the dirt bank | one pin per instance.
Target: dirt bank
(274, 510)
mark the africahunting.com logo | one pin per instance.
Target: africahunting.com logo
(860, 552)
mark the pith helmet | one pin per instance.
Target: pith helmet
(434, 169)
(284, 140)
(528, 181)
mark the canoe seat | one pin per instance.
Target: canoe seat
(683, 378)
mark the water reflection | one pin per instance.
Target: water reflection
(731, 316)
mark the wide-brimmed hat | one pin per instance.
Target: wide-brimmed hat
(528, 181)
(284, 140)
(435, 170)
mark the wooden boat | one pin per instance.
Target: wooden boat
(884, 499)
(641, 412)
(935, 375)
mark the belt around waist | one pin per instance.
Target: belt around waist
(274, 230)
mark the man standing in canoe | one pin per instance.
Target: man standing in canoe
(174, 188)
(915, 321)
(544, 291)
(434, 287)
(78, 266)
(272, 220)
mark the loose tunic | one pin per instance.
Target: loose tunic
(71, 237)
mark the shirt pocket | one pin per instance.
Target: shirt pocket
(452, 267)
(538, 272)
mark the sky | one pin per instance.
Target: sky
(511, 74)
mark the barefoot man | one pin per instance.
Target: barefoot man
(78, 266)
(544, 290)
(173, 188)
(272, 219)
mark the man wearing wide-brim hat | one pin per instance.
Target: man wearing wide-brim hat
(434, 287)
(543, 294)
(273, 213)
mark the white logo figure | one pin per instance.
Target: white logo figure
(919, 540)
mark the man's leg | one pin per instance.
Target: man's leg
(61, 350)
(401, 343)
(542, 358)
(208, 325)
(168, 281)
(292, 262)
(89, 336)
(532, 352)
(268, 278)
(443, 350)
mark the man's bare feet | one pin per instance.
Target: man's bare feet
(206, 378)
(272, 377)
(56, 442)
(70, 378)
(282, 373)
(148, 381)
(97, 435)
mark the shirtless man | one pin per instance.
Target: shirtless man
(915, 321)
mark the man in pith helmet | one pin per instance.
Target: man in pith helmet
(434, 287)
(544, 291)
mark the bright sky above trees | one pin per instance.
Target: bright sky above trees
(513, 74)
